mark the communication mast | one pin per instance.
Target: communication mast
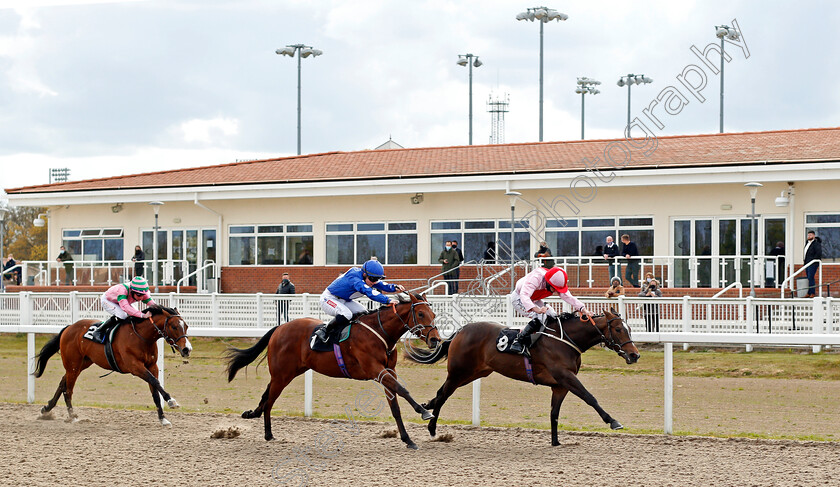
(497, 108)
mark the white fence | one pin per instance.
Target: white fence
(814, 322)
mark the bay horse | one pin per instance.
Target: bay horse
(135, 352)
(368, 355)
(555, 359)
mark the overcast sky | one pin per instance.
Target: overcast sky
(110, 88)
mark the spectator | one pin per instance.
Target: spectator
(457, 270)
(631, 260)
(647, 281)
(305, 258)
(286, 287)
(813, 251)
(449, 261)
(67, 259)
(651, 311)
(542, 253)
(779, 275)
(138, 259)
(616, 289)
(490, 253)
(610, 252)
(12, 275)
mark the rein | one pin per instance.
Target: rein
(607, 341)
(161, 332)
(404, 323)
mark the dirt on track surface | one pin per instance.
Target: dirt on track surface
(126, 447)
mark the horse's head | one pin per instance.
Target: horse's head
(616, 335)
(172, 328)
(421, 318)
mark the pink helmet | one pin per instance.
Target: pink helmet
(557, 278)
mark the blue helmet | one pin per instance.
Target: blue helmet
(373, 269)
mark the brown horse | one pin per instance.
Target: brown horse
(368, 354)
(555, 359)
(134, 350)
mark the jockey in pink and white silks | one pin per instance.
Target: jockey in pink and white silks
(337, 299)
(527, 300)
(118, 301)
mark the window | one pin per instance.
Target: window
(827, 228)
(475, 237)
(273, 244)
(587, 236)
(391, 243)
(94, 243)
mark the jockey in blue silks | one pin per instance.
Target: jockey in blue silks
(337, 299)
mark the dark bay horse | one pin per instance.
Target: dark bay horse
(555, 360)
(368, 355)
(134, 348)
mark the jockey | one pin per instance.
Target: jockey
(118, 302)
(337, 299)
(527, 299)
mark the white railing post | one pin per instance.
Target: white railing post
(622, 307)
(750, 313)
(686, 321)
(173, 299)
(258, 297)
(476, 402)
(30, 368)
(214, 305)
(669, 388)
(307, 376)
(74, 306)
(25, 308)
(818, 320)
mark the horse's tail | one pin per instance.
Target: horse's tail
(50, 349)
(241, 357)
(435, 355)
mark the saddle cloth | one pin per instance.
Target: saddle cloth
(507, 335)
(337, 336)
(109, 340)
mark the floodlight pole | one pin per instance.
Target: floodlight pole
(721, 90)
(542, 25)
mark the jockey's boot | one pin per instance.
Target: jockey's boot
(339, 322)
(103, 329)
(522, 341)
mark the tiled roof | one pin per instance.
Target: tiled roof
(822, 144)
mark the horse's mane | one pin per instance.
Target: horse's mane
(156, 310)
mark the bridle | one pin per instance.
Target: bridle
(607, 338)
(173, 342)
(406, 324)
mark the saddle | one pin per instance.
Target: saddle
(506, 336)
(337, 336)
(108, 340)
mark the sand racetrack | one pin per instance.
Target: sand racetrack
(126, 447)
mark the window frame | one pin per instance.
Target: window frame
(239, 230)
(355, 233)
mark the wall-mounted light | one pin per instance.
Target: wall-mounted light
(40, 222)
(117, 208)
(417, 199)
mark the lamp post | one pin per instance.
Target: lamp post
(512, 195)
(629, 80)
(544, 15)
(585, 85)
(724, 32)
(753, 187)
(302, 51)
(469, 60)
(3, 212)
(156, 205)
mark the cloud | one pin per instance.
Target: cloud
(208, 130)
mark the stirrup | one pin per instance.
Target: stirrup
(322, 334)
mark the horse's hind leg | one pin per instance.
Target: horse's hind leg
(46, 410)
(557, 396)
(256, 413)
(272, 393)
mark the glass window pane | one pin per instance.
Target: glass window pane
(340, 249)
(727, 236)
(518, 224)
(522, 250)
(370, 227)
(402, 226)
(71, 233)
(402, 248)
(301, 228)
(774, 231)
(177, 244)
(446, 225)
(91, 232)
(368, 246)
(270, 229)
(592, 242)
(339, 227)
(242, 229)
(475, 243)
(162, 245)
(702, 237)
(562, 243)
(598, 222)
(299, 249)
(635, 222)
(74, 247)
(746, 236)
(682, 237)
(114, 249)
(642, 238)
(567, 223)
(241, 251)
(92, 249)
(192, 248)
(209, 239)
(479, 225)
(438, 241)
(112, 232)
(270, 251)
(822, 218)
(830, 239)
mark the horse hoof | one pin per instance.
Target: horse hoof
(555, 443)
(72, 419)
(269, 438)
(165, 422)
(616, 425)
(411, 446)
(46, 414)
(432, 429)
(247, 414)
(427, 415)
(173, 404)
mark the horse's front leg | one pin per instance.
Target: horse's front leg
(139, 369)
(395, 412)
(153, 369)
(389, 380)
(567, 380)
